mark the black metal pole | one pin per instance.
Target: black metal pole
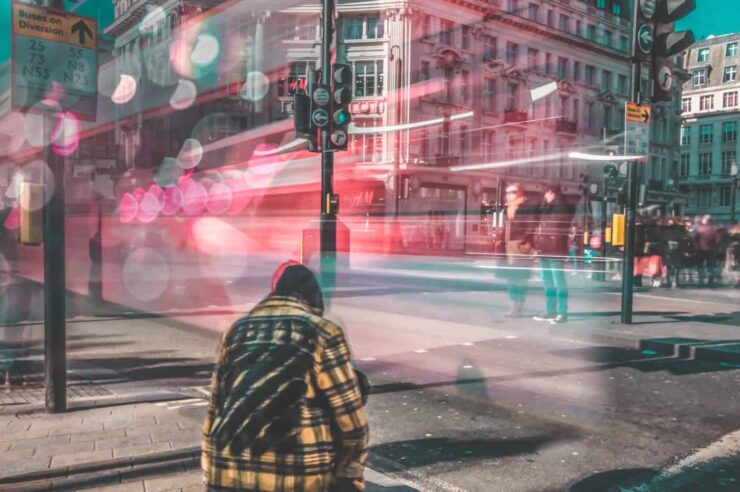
(733, 200)
(604, 201)
(631, 215)
(55, 315)
(328, 223)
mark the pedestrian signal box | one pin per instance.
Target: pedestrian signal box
(618, 230)
(32, 220)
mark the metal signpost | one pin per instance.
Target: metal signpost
(637, 142)
(54, 69)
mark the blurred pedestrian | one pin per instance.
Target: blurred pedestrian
(286, 411)
(554, 222)
(706, 240)
(519, 244)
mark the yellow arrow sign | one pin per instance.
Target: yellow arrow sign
(54, 25)
(638, 114)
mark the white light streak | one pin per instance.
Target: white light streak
(605, 158)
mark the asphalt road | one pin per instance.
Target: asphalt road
(465, 399)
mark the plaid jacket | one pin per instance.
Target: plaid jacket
(332, 440)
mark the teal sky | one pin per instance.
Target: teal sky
(712, 17)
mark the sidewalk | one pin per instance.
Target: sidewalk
(148, 447)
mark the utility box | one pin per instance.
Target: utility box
(31, 208)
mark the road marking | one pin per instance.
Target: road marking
(674, 476)
(665, 298)
(725, 447)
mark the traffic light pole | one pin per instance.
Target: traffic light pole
(628, 268)
(328, 222)
(55, 309)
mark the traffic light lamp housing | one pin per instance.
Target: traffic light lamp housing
(340, 100)
(667, 44)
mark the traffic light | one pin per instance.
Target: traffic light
(341, 96)
(643, 30)
(303, 107)
(668, 44)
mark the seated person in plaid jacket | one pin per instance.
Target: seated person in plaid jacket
(286, 410)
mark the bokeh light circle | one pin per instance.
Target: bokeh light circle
(125, 90)
(256, 87)
(146, 274)
(205, 50)
(12, 136)
(184, 95)
(190, 154)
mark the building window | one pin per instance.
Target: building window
(465, 92)
(706, 103)
(532, 55)
(624, 43)
(370, 27)
(729, 131)
(490, 95)
(445, 32)
(590, 74)
(606, 81)
(590, 115)
(489, 48)
(488, 145)
(426, 27)
(686, 105)
(622, 84)
(513, 6)
(601, 4)
(729, 157)
(725, 197)
(699, 77)
(608, 38)
(591, 32)
(729, 99)
(512, 97)
(576, 71)
(424, 76)
(534, 12)
(579, 27)
(705, 164)
(551, 18)
(375, 28)
(685, 135)
(731, 49)
(512, 52)
(369, 78)
(576, 110)
(703, 55)
(548, 64)
(616, 8)
(706, 134)
(564, 21)
(730, 74)
(562, 67)
(683, 171)
(466, 38)
(704, 198)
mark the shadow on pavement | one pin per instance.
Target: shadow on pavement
(149, 368)
(729, 319)
(644, 361)
(423, 452)
(615, 480)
